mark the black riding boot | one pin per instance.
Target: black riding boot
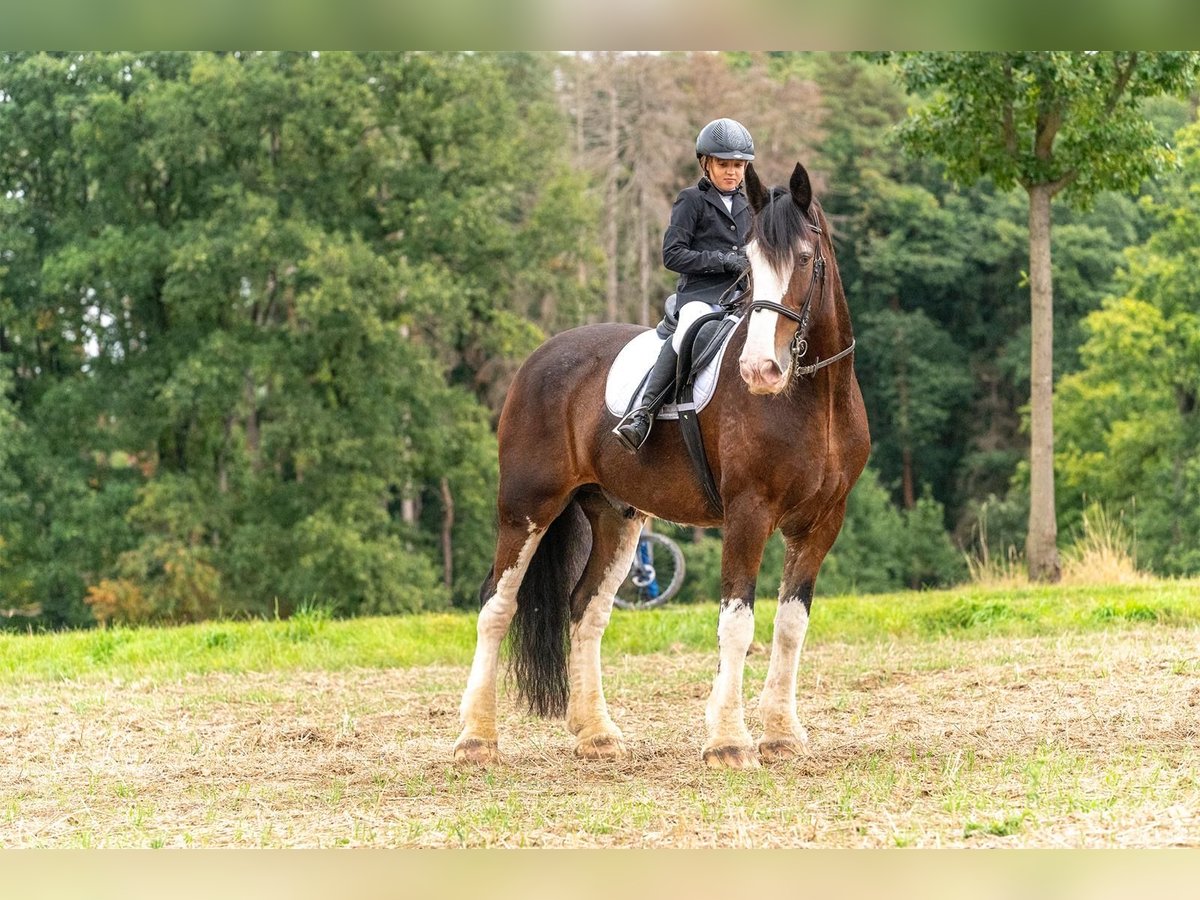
(633, 430)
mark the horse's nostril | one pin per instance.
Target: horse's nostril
(761, 373)
(769, 371)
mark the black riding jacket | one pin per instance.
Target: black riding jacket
(699, 233)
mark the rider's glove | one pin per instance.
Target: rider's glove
(735, 263)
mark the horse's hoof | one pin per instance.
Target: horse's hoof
(602, 746)
(731, 757)
(781, 750)
(476, 752)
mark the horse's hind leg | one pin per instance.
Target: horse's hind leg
(614, 542)
(783, 735)
(478, 742)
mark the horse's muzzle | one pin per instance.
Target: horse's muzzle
(762, 376)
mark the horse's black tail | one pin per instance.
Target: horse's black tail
(539, 633)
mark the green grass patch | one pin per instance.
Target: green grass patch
(312, 639)
(1134, 611)
(1009, 825)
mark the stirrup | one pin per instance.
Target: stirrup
(627, 420)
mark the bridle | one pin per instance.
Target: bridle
(799, 345)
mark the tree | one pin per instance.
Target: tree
(1130, 420)
(918, 381)
(1053, 122)
(246, 306)
(636, 117)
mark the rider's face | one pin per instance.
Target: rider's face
(726, 174)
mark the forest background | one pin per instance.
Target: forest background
(259, 311)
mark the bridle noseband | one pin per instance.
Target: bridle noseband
(799, 345)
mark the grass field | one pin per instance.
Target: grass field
(1034, 717)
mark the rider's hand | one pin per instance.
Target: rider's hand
(735, 263)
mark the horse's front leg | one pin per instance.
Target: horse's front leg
(783, 735)
(729, 744)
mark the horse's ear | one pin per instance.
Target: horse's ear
(801, 188)
(755, 192)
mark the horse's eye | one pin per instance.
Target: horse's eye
(804, 259)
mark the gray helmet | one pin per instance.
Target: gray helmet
(725, 139)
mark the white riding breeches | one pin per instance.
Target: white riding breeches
(688, 314)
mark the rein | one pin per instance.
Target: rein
(799, 345)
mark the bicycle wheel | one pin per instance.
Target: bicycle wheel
(655, 576)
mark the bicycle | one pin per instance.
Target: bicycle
(655, 576)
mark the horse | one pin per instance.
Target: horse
(785, 443)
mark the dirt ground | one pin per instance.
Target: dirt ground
(1075, 741)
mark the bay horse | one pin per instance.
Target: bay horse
(785, 442)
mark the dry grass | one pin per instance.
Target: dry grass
(1005, 573)
(1075, 741)
(1102, 553)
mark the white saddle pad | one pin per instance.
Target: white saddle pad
(636, 359)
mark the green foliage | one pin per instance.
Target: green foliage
(246, 302)
(994, 527)
(13, 504)
(867, 556)
(917, 384)
(882, 548)
(702, 562)
(357, 575)
(991, 114)
(930, 558)
(258, 311)
(1128, 422)
(910, 245)
(1052, 122)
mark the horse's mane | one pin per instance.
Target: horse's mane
(777, 227)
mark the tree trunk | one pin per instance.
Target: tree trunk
(1041, 544)
(253, 438)
(643, 257)
(408, 506)
(580, 160)
(904, 412)
(906, 477)
(610, 196)
(1185, 401)
(447, 534)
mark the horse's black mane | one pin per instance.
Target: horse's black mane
(778, 226)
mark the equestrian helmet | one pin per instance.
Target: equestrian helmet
(725, 139)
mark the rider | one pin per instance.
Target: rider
(705, 242)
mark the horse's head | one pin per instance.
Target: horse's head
(788, 276)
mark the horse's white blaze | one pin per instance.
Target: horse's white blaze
(724, 714)
(777, 706)
(587, 712)
(478, 709)
(769, 285)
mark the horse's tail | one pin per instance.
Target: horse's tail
(539, 633)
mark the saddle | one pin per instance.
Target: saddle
(700, 353)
